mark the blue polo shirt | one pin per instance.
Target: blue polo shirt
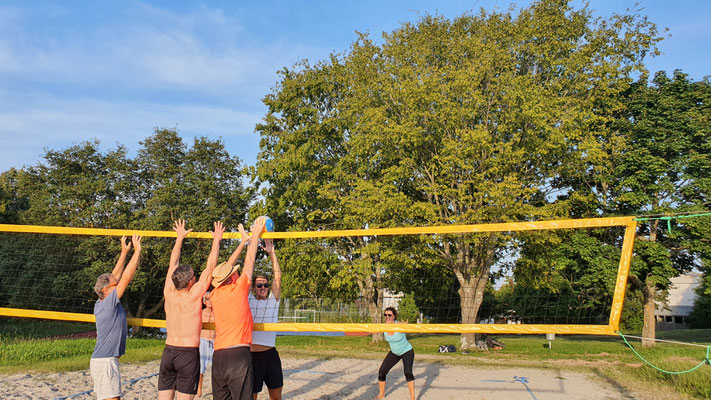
(111, 329)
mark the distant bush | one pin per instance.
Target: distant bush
(700, 316)
(407, 309)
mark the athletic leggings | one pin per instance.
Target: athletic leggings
(391, 359)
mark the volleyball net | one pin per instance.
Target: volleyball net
(564, 276)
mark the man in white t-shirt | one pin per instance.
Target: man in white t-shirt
(266, 364)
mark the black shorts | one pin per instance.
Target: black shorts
(179, 369)
(232, 374)
(266, 366)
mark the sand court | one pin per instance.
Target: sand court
(345, 379)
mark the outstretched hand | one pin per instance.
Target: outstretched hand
(257, 227)
(268, 246)
(245, 235)
(136, 240)
(125, 245)
(218, 230)
(179, 228)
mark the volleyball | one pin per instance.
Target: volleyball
(268, 223)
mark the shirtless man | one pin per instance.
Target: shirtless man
(232, 361)
(180, 363)
(266, 364)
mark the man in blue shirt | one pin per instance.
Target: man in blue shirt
(111, 329)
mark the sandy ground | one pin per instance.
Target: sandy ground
(345, 379)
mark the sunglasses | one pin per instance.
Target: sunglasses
(262, 285)
(388, 315)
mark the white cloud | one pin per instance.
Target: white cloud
(117, 79)
(42, 121)
(148, 48)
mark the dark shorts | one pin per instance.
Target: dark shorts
(232, 374)
(179, 369)
(267, 369)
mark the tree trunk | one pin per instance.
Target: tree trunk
(467, 300)
(371, 297)
(377, 337)
(373, 309)
(472, 272)
(471, 295)
(649, 292)
(650, 324)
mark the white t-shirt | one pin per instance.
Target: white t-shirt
(264, 311)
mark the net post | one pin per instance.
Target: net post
(622, 274)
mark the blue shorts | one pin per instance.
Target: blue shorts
(207, 347)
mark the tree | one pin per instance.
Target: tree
(82, 187)
(312, 184)
(700, 316)
(461, 121)
(666, 170)
(11, 203)
(566, 276)
(301, 141)
(473, 117)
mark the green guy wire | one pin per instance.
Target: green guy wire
(705, 361)
(669, 218)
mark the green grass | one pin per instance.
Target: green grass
(31, 345)
(23, 349)
(67, 354)
(28, 328)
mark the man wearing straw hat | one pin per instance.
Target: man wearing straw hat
(232, 361)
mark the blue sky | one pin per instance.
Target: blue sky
(75, 70)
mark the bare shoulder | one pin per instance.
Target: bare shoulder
(196, 292)
(169, 289)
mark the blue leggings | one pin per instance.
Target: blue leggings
(391, 359)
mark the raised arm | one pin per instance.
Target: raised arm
(249, 258)
(203, 283)
(131, 268)
(179, 228)
(245, 238)
(276, 280)
(118, 269)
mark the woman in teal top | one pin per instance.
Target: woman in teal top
(400, 349)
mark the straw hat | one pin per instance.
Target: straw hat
(221, 273)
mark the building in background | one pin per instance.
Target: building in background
(679, 303)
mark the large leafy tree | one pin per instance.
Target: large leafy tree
(475, 116)
(447, 121)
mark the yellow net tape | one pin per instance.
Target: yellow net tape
(502, 227)
(628, 222)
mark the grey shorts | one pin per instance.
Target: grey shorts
(106, 376)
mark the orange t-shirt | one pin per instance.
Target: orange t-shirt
(233, 318)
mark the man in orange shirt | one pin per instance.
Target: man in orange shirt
(180, 362)
(232, 361)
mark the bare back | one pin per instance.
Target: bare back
(183, 316)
